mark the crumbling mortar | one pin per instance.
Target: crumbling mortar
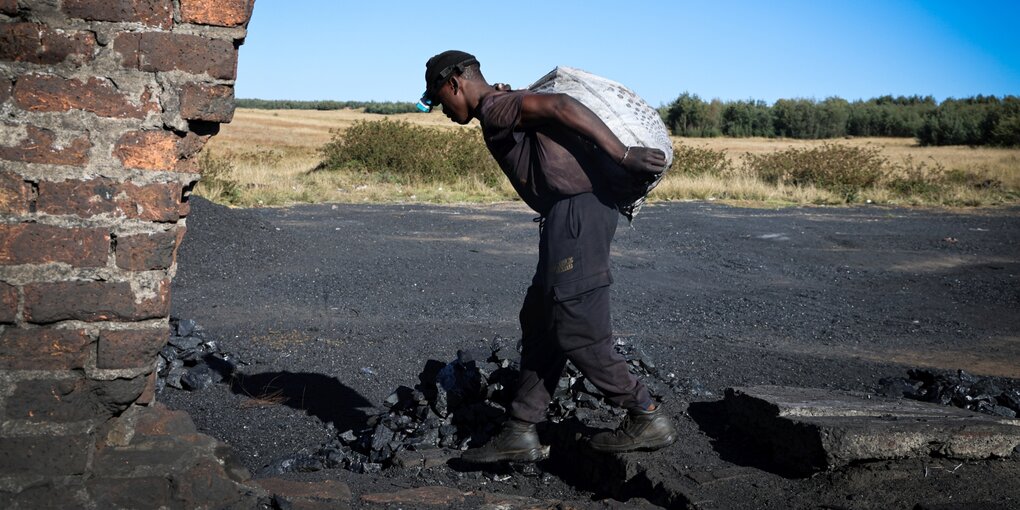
(109, 374)
(117, 223)
(16, 484)
(28, 428)
(60, 173)
(232, 34)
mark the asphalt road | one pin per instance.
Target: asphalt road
(352, 299)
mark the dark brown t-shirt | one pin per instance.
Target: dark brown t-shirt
(545, 164)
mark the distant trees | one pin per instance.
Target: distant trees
(381, 107)
(979, 120)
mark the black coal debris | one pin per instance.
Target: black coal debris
(461, 404)
(988, 395)
(191, 361)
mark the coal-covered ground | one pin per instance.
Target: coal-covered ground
(329, 308)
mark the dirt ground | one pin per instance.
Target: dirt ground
(343, 303)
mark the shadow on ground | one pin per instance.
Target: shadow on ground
(731, 446)
(321, 396)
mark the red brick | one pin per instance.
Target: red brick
(225, 13)
(71, 400)
(163, 51)
(8, 303)
(143, 252)
(152, 150)
(15, 193)
(214, 103)
(38, 44)
(43, 349)
(148, 395)
(46, 455)
(9, 6)
(153, 202)
(47, 93)
(5, 89)
(154, 13)
(130, 348)
(39, 146)
(92, 301)
(34, 243)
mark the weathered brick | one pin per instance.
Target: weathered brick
(8, 303)
(144, 252)
(34, 243)
(45, 455)
(40, 146)
(15, 194)
(130, 348)
(93, 301)
(5, 89)
(43, 349)
(214, 103)
(148, 395)
(224, 13)
(39, 44)
(151, 150)
(71, 400)
(154, 13)
(153, 202)
(133, 492)
(47, 93)
(163, 51)
(9, 6)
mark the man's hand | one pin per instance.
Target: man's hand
(644, 161)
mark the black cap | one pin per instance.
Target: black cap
(440, 67)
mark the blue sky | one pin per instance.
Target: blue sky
(854, 49)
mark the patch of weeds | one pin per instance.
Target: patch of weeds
(690, 160)
(841, 169)
(217, 183)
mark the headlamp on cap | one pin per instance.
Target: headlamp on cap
(425, 104)
(438, 71)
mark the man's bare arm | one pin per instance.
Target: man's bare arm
(540, 109)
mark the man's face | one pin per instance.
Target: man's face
(454, 105)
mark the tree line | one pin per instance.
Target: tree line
(978, 120)
(380, 107)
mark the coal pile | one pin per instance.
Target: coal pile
(988, 395)
(191, 361)
(461, 404)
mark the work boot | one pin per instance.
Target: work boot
(516, 442)
(639, 430)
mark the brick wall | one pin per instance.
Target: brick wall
(103, 106)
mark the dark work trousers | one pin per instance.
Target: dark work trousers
(566, 310)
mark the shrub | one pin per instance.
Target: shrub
(910, 179)
(689, 160)
(400, 152)
(217, 183)
(841, 169)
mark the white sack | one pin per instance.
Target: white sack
(629, 117)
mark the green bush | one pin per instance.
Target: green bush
(400, 152)
(914, 179)
(384, 107)
(216, 183)
(690, 160)
(841, 169)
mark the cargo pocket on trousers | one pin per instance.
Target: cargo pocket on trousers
(570, 290)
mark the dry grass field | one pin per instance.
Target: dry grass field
(269, 154)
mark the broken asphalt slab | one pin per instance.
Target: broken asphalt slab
(804, 430)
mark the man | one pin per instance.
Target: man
(568, 166)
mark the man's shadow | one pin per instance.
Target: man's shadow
(319, 395)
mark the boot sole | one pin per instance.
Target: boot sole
(529, 455)
(647, 446)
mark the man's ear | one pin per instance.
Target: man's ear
(455, 83)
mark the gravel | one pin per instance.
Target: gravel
(326, 309)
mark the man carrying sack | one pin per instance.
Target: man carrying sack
(569, 167)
